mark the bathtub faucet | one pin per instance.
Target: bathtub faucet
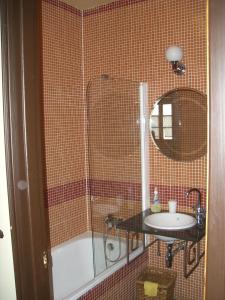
(112, 221)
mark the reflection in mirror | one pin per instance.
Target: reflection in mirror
(178, 124)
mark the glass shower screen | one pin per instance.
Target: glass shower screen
(118, 163)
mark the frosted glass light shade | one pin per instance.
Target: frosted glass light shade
(174, 53)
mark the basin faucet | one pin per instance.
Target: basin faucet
(199, 210)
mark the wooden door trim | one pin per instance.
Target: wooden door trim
(215, 263)
(20, 30)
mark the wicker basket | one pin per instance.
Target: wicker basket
(165, 278)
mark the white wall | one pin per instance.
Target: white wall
(7, 280)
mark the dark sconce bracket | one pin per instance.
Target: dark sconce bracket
(178, 67)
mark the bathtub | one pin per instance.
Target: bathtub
(73, 269)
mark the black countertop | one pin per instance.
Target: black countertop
(136, 224)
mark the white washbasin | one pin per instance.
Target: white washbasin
(169, 221)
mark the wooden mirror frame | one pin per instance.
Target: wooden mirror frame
(188, 130)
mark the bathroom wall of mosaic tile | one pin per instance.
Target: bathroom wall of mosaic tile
(64, 126)
(126, 39)
(129, 42)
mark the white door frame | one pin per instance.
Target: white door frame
(7, 278)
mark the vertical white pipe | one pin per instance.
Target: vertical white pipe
(144, 133)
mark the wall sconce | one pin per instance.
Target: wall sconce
(174, 54)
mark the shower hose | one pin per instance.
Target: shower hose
(105, 239)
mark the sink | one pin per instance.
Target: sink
(170, 221)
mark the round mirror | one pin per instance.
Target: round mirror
(178, 124)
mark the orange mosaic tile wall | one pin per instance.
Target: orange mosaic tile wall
(64, 121)
(130, 41)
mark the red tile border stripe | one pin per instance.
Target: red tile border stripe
(66, 192)
(115, 189)
(114, 278)
(121, 190)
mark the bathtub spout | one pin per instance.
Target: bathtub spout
(112, 221)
